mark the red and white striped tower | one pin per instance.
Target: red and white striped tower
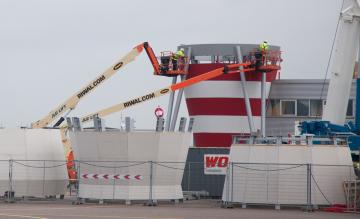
(218, 105)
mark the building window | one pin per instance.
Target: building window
(316, 108)
(350, 109)
(288, 107)
(274, 108)
(302, 107)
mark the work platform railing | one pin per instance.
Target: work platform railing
(293, 140)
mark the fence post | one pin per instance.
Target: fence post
(309, 206)
(43, 178)
(232, 182)
(10, 196)
(226, 203)
(114, 171)
(189, 175)
(348, 183)
(78, 177)
(151, 201)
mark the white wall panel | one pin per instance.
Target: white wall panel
(28, 148)
(270, 178)
(130, 147)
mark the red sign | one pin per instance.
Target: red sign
(159, 112)
(215, 164)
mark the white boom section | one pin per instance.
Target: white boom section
(71, 103)
(164, 91)
(342, 63)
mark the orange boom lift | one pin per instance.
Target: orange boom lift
(164, 68)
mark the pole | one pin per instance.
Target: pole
(10, 192)
(151, 201)
(263, 104)
(357, 98)
(78, 183)
(179, 96)
(189, 175)
(170, 106)
(246, 96)
(308, 187)
(44, 177)
(232, 182)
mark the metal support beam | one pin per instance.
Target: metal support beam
(128, 124)
(191, 124)
(263, 104)
(76, 124)
(179, 96)
(177, 106)
(357, 96)
(182, 124)
(246, 96)
(159, 124)
(170, 107)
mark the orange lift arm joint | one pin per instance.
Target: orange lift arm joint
(152, 57)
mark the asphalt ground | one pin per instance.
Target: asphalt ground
(201, 209)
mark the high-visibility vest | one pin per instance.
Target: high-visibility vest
(178, 54)
(264, 46)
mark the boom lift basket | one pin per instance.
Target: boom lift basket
(265, 61)
(170, 67)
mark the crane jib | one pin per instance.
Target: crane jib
(91, 86)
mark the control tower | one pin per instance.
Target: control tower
(231, 104)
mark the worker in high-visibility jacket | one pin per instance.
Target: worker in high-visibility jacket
(264, 47)
(260, 54)
(179, 55)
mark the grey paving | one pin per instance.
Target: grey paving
(203, 209)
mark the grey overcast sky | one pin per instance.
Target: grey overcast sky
(50, 49)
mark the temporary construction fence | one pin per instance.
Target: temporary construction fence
(29, 160)
(150, 181)
(305, 185)
(36, 178)
(244, 183)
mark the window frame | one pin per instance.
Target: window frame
(281, 107)
(308, 114)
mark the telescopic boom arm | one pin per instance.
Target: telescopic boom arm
(71, 103)
(229, 69)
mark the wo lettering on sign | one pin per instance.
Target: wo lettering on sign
(215, 164)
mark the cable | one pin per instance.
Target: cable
(288, 168)
(26, 165)
(94, 165)
(332, 48)
(168, 166)
(312, 176)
